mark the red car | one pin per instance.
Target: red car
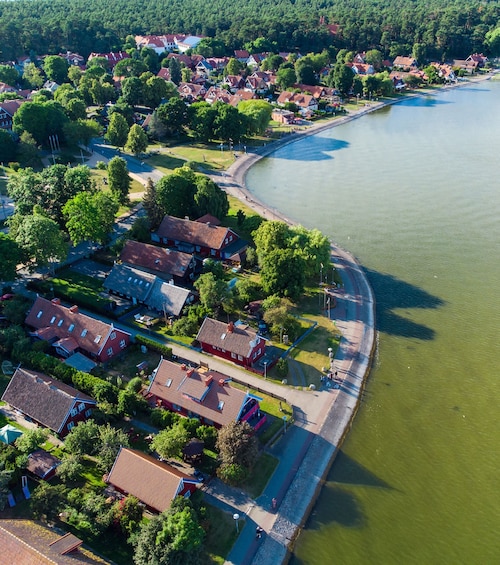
(7, 297)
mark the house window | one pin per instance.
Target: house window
(240, 358)
(81, 407)
(212, 251)
(110, 351)
(88, 413)
(74, 412)
(122, 343)
(53, 319)
(97, 338)
(113, 335)
(84, 333)
(71, 328)
(39, 315)
(60, 323)
(70, 425)
(176, 407)
(233, 355)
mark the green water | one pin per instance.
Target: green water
(413, 192)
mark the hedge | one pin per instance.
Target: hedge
(154, 345)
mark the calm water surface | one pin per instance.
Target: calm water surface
(413, 192)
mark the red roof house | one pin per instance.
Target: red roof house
(167, 263)
(70, 331)
(153, 482)
(202, 394)
(205, 240)
(51, 403)
(235, 342)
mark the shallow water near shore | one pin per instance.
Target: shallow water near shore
(413, 191)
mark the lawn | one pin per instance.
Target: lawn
(125, 366)
(221, 534)
(78, 288)
(261, 473)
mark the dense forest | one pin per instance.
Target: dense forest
(444, 28)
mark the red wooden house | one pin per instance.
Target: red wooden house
(153, 482)
(202, 394)
(51, 403)
(205, 240)
(70, 331)
(235, 342)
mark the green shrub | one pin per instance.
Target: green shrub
(155, 346)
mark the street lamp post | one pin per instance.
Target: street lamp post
(284, 424)
(265, 370)
(236, 517)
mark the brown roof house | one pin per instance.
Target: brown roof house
(305, 102)
(49, 402)
(26, 542)
(153, 482)
(202, 394)
(166, 263)
(42, 464)
(70, 331)
(205, 240)
(235, 342)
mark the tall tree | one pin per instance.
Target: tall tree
(282, 273)
(237, 444)
(41, 239)
(117, 131)
(175, 70)
(118, 178)
(169, 443)
(150, 203)
(56, 68)
(7, 147)
(10, 257)
(137, 140)
(176, 192)
(9, 75)
(258, 115)
(33, 75)
(343, 78)
(90, 217)
(210, 198)
(173, 115)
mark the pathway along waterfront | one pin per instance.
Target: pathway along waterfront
(354, 315)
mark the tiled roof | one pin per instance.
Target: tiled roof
(151, 481)
(51, 316)
(129, 281)
(235, 339)
(206, 393)
(147, 289)
(42, 398)
(164, 261)
(195, 233)
(11, 106)
(167, 298)
(25, 542)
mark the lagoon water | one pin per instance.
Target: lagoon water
(413, 191)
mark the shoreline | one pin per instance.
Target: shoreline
(355, 317)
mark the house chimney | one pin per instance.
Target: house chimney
(209, 380)
(56, 301)
(230, 327)
(74, 309)
(190, 371)
(222, 382)
(183, 366)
